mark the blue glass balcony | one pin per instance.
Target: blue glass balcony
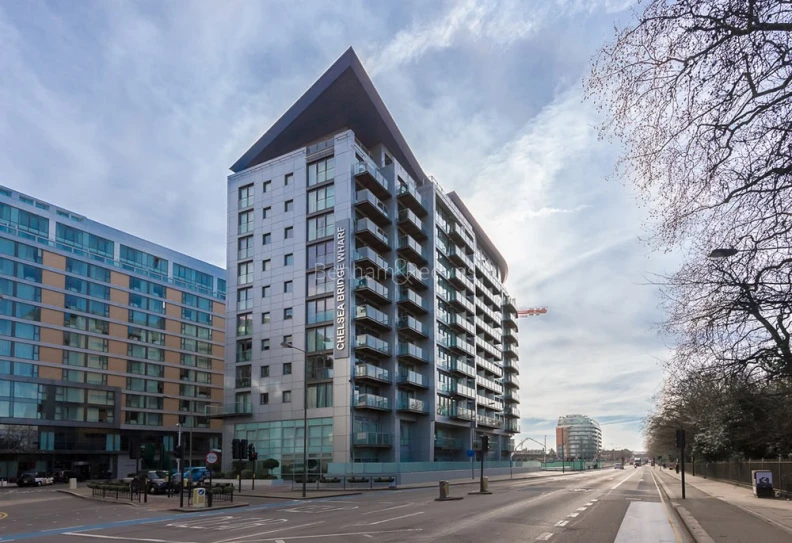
(411, 378)
(412, 300)
(410, 197)
(412, 326)
(372, 345)
(372, 439)
(375, 290)
(410, 249)
(372, 316)
(372, 207)
(370, 178)
(412, 352)
(372, 372)
(371, 401)
(412, 224)
(372, 234)
(413, 405)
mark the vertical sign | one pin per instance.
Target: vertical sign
(341, 337)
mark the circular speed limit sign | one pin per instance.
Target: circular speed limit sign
(211, 458)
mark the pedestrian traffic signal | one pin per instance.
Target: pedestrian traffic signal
(252, 455)
(243, 447)
(235, 450)
(484, 443)
(177, 452)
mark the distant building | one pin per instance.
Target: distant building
(578, 436)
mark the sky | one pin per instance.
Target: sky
(132, 112)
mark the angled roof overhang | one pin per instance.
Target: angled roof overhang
(343, 97)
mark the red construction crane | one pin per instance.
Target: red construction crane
(531, 312)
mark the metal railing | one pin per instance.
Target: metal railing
(740, 472)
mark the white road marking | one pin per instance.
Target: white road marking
(573, 515)
(582, 508)
(589, 504)
(562, 523)
(594, 500)
(386, 520)
(284, 539)
(320, 508)
(120, 538)
(617, 485)
(545, 536)
(388, 509)
(243, 537)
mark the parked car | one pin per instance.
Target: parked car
(196, 475)
(155, 481)
(31, 478)
(618, 465)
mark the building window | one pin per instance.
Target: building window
(321, 171)
(320, 395)
(288, 232)
(321, 199)
(244, 350)
(265, 265)
(245, 273)
(288, 287)
(265, 344)
(245, 248)
(264, 398)
(288, 179)
(245, 222)
(244, 299)
(321, 255)
(287, 340)
(242, 376)
(320, 283)
(265, 291)
(265, 317)
(245, 324)
(266, 186)
(321, 226)
(321, 310)
(245, 196)
(264, 371)
(320, 339)
(288, 206)
(266, 212)
(267, 238)
(288, 259)
(287, 396)
(288, 313)
(287, 368)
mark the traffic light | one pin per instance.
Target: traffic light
(235, 451)
(484, 443)
(177, 452)
(252, 455)
(243, 447)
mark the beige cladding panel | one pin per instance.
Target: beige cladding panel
(172, 342)
(219, 309)
(50, 297)
(119, 279)
(118, 313)
(119, 296)
(48, 354)
(171, 389)
(170, 404)
(118, 331)
(50, 316)
(172, 327)
(45, 372)
(172, 357)
(116, 381)
(170, 421)
(53, 279)
(117, 348)
(172, 311)
(117, 365)
(171, 373)
(174, 295)
(52, 260)
(51, 336)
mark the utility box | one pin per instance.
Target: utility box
(443, 490)
(485, 484)
(762, 483)
(72, 484)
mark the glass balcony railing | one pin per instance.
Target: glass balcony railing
(374, 286)
(371, 400)
(408, 269)
(463, 367)
(407, 295)
(364, 169)
(464, 390)
(511, 364)
(411, 323)
(489, 366)
(373, 439)
(411, 222)
(369, 312)
(366, 196)
(512, 379)
(512, 411)
(511, 395)
(410, 377)
(370, 227)
(489, 384)
(372, 372)
(371, 342)
(408, 243)
(489, 403)
(463, 413)
(447, 443)
(513, 426)
(367, 253)
(407, 403)
(492, 422)
(412, 192)
(408, 349)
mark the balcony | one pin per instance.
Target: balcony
(461, 323)
(409, 196)
(409, 299)
(461, 345)
(410, 223)
(458, 256)
(510, 303)
(372, 439)
(410, 249)
(462, 413)
(370, 233)
(510, 319)
(412, 327)
(511, 381)
(460, 280)
(494, 352)
(411, 352)
(491, 422)
(372, 316)
(511, 396)
(510, 348)
(372, 207)
(489, 384)
(460, 235)
(372, 345)
(371, 401)
(368, 260)
(491, 367)
(410, 378)
(513, 426)
(489, 403)
(371, 372)
(463, 367)
(412, 405)
(464, 391)
(229, 410)
(510, 334)
(461, 302)
(372, 289)
(368, 176)
(448, 443)
(512, 411)
(511, 365)
(413, 275)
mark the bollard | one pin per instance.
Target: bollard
(73, 484)
(484, 484)
(445, 491)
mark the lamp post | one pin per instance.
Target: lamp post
(544, 446)
(286, 345)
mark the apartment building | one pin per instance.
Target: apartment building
(108, 342)
(578, 437)
(363, 292)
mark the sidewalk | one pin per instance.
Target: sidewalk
(155, 502)
(777, 512)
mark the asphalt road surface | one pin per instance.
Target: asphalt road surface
(621, 506)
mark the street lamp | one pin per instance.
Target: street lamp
(287, 345)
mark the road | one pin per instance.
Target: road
(611, 506)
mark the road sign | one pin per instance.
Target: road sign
(211, 458)
(471, 453)
(199, 497)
